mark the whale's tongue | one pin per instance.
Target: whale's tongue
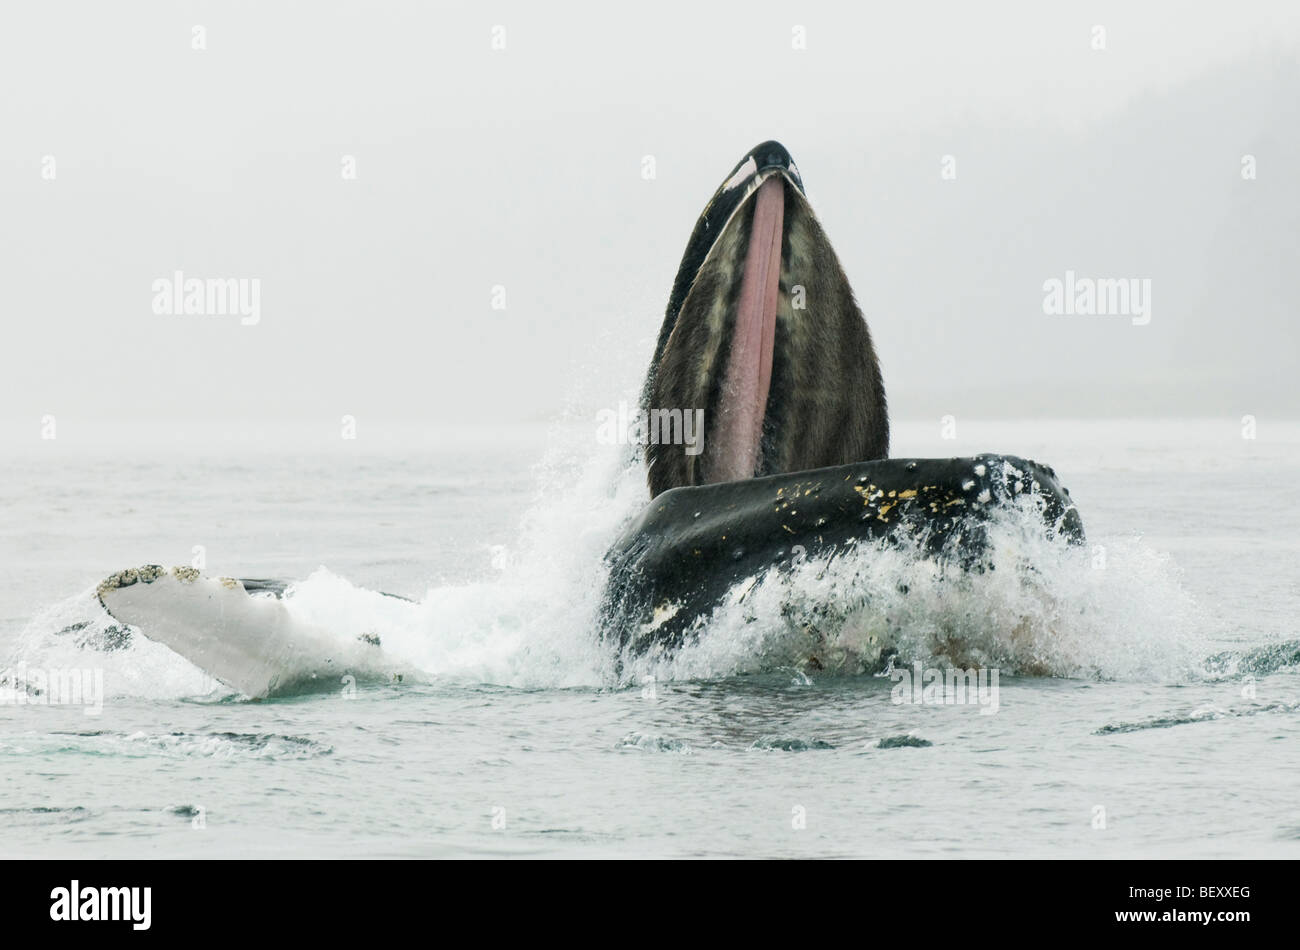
(738, 422)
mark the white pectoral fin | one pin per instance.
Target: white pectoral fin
(252, 643)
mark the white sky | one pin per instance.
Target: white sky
(522, 168)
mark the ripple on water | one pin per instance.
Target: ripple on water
(213, 745)
(644, 743)
(903, 742)
(1204, 714)
(789, 744)
(43, 815)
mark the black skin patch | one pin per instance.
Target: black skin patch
(692, 545)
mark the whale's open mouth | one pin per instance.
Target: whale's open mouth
(762, 337)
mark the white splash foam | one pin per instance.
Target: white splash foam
(143, 669)
(1043, 609)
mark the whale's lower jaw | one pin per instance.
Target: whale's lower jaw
(692, 546)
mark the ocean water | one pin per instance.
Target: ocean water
(1148, 699)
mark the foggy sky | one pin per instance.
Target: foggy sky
(523, 168)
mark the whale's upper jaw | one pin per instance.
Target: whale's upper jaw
(763, 336)
(761, 162)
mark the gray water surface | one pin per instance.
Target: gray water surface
(520, 744)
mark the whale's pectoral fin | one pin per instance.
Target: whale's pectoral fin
(242, 633)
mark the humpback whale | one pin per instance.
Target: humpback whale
(762, 332)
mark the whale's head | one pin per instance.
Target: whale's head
(762, 343)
